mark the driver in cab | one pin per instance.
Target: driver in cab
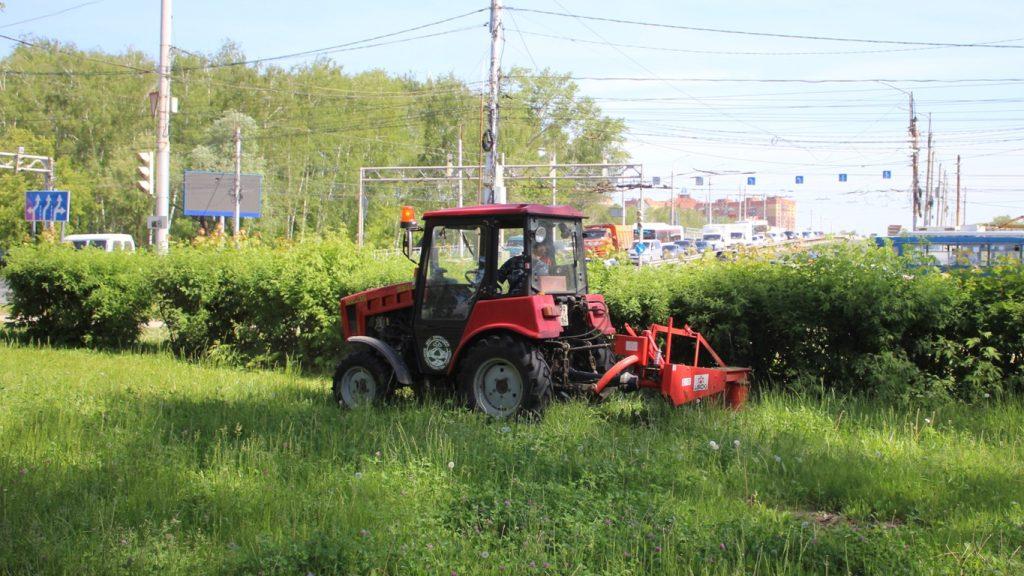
(513, 270)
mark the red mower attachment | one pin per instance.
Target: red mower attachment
(680, 383)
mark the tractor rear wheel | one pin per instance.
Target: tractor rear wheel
(362, 378)
(504, 377)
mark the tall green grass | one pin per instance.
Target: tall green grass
(136, 464)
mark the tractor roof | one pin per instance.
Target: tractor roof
(506, 209)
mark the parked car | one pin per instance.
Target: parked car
(105, 242)
(514, 245)
(645, 251)
(790, 235)
(672, 251)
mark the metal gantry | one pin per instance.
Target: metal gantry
(606, 177)
(21, 162)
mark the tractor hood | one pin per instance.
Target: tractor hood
(356, 308)
(377, 294)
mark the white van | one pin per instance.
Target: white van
(106, 242)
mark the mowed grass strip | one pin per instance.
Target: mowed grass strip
(135, 464)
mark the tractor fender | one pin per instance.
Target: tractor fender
(396, 362)
(483, 332)
(615, 371)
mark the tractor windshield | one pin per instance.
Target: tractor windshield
(554, 255)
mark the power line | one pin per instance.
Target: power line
(731, 52)
(790, 80)
(768, 34)
(348, 45)
(57, 13)
(77, 55)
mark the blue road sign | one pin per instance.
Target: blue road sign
(47, 205)
(842, 177)
(751, 181)
(886, 174)
(699, 180)
(799, 179)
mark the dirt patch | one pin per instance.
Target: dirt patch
(825, 519)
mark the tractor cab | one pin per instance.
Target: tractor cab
(515, 268)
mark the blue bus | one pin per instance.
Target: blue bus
(960, 249)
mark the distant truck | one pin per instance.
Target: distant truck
(661, 231)
(105, 242)
(606, 239)
(722, 236)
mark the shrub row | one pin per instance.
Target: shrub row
(852, 318)
(261, 306)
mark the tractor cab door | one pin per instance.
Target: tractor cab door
(452, 271)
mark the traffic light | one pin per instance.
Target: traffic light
(145, 172)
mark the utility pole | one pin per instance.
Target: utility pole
(708, 202)
(163, 135)
(928, 177)
(238, 181)
(672, 196)
(459, 152)
(554, 179)
(915, 190)
(494, 186)
(958, 223)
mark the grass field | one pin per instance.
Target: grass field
(136, 464)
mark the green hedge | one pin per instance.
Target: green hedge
(261, 306)
(852, 318)
(69, 297)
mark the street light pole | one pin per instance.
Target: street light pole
(163, 134)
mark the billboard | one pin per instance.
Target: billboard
(213, 194)
(47, 205)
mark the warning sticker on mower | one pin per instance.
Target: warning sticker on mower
(700, 382)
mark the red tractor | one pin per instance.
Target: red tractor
(500, 303)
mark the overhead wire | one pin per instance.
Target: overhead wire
(51, 14)
(769, 34)
(345, 45)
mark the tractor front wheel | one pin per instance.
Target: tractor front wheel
(362, 378)
(504, 377)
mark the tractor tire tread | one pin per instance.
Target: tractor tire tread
(369, 359)
(539, 387)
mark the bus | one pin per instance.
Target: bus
(960, 249)
(661, 231)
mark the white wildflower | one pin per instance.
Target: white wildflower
(713, 445)
(778, 459)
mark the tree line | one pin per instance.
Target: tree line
(307, 128)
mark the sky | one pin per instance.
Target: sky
(693, 100)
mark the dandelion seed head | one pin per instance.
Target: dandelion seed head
(451, 465)
(713, 445)
(736, 444)
(778, 459)
(485, 554)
